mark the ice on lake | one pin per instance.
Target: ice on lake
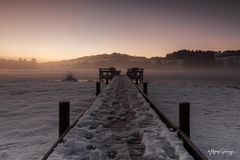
(29, 109)
(215, 113)
(29, 114)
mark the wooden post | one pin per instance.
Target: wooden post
(98, 88)
(136, 81)
(107, 81)
(64, 116)
(184, 117)
(145, 88)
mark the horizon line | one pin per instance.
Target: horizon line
(45, 60)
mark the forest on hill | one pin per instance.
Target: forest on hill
(178, 59)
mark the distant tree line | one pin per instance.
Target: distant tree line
(228, 53)
(199, 58)
(18, 64)
(193, 58)
(178, 59)
(199, 54)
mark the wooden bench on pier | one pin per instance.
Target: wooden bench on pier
(135, 74)
(107, 74)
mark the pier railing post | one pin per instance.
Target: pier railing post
(98, 88)
(145, 88)
(64, 116)
(107, 81)
(136, 81)
(184, 117)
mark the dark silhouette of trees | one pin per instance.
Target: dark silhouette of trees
(178, 59)
(228, 53)
(192, 58)
(18, 64)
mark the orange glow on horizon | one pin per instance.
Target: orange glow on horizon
(57, 31)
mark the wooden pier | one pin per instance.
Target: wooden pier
(127, 116)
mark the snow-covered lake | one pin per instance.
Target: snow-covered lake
(29, 114)
(29, 109)
(215, 112)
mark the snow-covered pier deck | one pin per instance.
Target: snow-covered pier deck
(120, 125)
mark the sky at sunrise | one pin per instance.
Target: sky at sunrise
(65, 29)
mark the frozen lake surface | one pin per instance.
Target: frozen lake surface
(29, 108)
(215, 113)
(29, 114)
